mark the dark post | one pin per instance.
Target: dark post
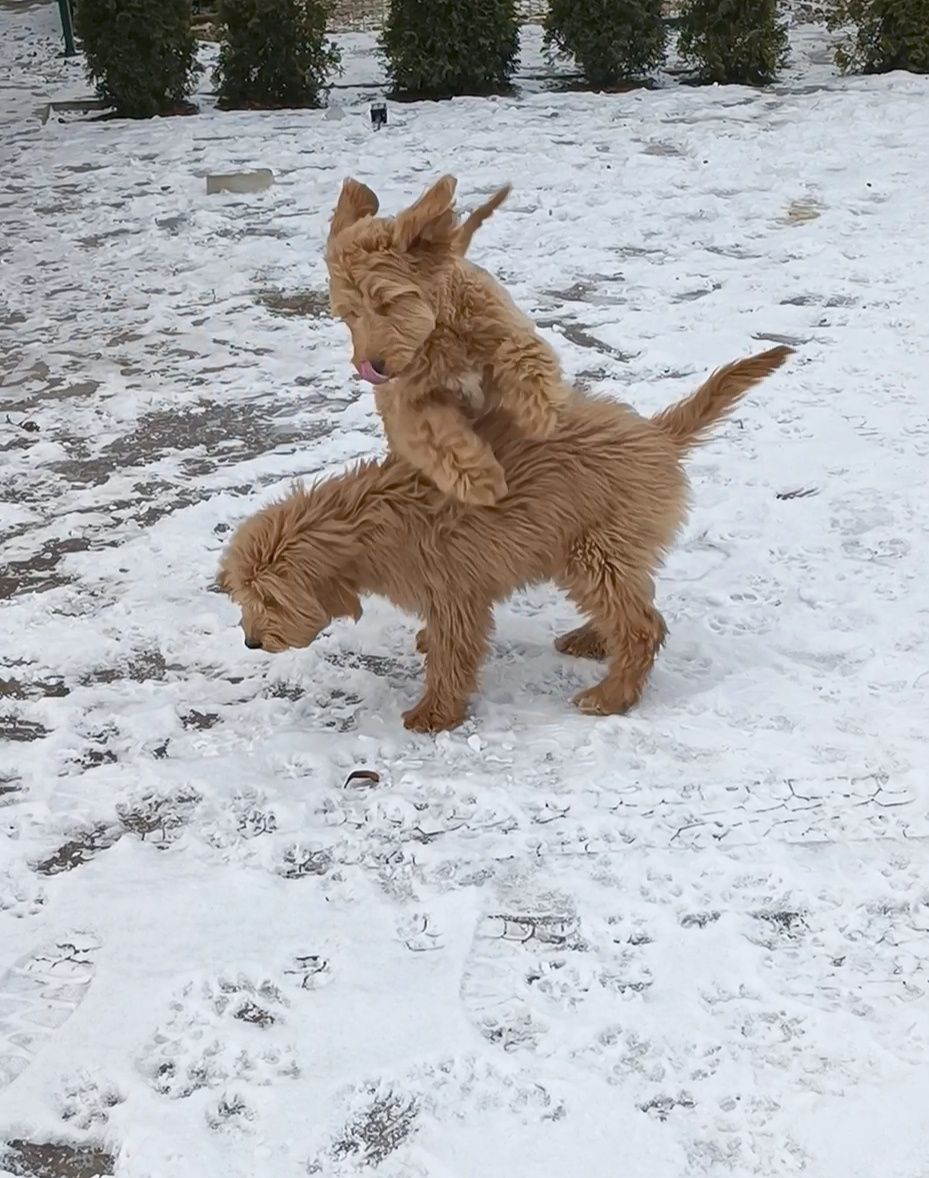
(67, 27)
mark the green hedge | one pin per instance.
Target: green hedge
(733, 40)
(889, 35)
(611, 41)
(141, 55)
(440, 48)
(274, 53)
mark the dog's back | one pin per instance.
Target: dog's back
(604, 463)
(606, 468)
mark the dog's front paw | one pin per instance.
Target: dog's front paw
(432, 715)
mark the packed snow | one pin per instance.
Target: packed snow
(692, 940)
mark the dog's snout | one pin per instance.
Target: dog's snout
(252, 643)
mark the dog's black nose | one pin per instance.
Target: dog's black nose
(252, 643)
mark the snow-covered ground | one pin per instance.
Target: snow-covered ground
(694, 940)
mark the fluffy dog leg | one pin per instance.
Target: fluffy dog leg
(532, 390)
(457, 644)
(618, 596)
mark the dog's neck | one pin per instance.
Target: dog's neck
(351, 523)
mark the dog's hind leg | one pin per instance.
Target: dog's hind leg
(455, 648)
(617, 593)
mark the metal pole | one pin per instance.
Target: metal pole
(67, 27)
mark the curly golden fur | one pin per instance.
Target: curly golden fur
(592, 508)
(445, 333)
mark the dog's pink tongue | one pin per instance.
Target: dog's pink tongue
(368, 372)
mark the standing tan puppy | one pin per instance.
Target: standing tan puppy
(593, 508)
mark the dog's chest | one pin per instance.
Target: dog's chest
(469, 386)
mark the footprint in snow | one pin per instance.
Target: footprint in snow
(38, 993)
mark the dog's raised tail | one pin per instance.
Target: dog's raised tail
(688, 422)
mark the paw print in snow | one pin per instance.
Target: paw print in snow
(230, 1114)
(218, 1033)
(21, 894)
(86, 1100)
(299, 862)
(310, 971)
(158, 819)
(246, 816)
(419, 934)
(381, 1121)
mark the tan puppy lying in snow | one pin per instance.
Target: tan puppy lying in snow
(593, 507)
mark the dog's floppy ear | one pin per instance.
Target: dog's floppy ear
(340, 602)
(474, 220)
(222, 582)
(356, 200)
(431, 218)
